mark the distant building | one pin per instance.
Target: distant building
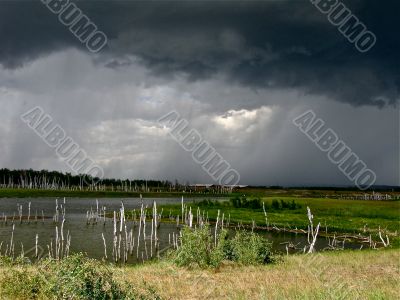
(214, 187)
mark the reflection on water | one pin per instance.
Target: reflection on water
(88, 238)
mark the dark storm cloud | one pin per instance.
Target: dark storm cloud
(277, 44)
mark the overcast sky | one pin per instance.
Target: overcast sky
(238, 71)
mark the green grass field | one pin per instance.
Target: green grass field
(344, 216)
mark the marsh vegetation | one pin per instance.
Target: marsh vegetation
(206, 238)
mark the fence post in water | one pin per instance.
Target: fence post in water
(57, 213)
(115, 256)
(56, 244)
(22, 250)
(216, 229)
(29, 212)
(62, 236)
(151, 235)
(140, 227)
(132, 242)
(36, 245)
(68, 243)
(182, 208)
(385, 243)
(265, 214)
(105, 246)
(155, 216)
(314, 233)
(20, 214)
(144, 233)
(190, 217)
(97, 210)
(12, 239)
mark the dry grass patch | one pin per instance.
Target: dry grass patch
(334, 275)
(347, 275)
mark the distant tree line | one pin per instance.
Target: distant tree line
(54, 179)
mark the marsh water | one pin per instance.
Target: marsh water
(88, 238)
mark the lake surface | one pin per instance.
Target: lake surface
(88, 238)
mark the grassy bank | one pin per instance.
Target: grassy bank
(345, 216)
(311, 192)
(369, 274)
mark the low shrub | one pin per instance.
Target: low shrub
(7, 261)
(283, 205)
(256, 203)
(243, 202)
(75, 277)
(21, 283)
(79, 277)
(207, 203)
(249, 248)
(198, 248)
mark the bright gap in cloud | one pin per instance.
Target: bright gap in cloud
(243, 119)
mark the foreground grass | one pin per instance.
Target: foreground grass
(368, 274)
(333, 275)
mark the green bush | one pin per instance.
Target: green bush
(243, 202)
(75, 277)
(7, 261)
(218, 253)
(207, 203)
(249, 248)
(22, 284)
(79, 277)
(282, 205)
(198, 248)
